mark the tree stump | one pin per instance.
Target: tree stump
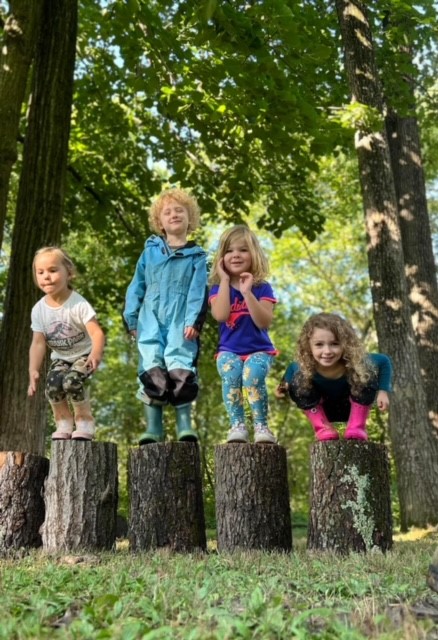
(22, 478)
(166, 504)
(350, 497)
(81, 495)
(252, 497)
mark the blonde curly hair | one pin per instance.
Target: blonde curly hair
(182, 197)
(63, 258)
(259, 262)
(358, 368)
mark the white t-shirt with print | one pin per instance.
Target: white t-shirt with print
(64, 326)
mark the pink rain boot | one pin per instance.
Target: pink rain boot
(356, 425)
(323, 429)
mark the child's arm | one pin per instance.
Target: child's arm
(384, 367)
(37, 353)
(197, 300)
(220, 304)
(135, 295)
(98, 343)
(261, 311)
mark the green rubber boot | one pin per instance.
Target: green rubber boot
(184, 430)
(154, 423)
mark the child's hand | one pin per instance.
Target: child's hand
(93, 361)
(190, 333)
(246, 280)
(33, 383)
(281, 391)
(382, 400)
(223, 275)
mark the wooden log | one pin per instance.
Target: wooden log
(81, 495)
(252, 498)
(350, 497)
(166, 504)
(22, 478)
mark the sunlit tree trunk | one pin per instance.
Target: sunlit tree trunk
(407, 167)
(16, 51)
(38, 219)
(414, 446)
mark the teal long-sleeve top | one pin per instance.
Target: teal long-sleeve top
(334, 387)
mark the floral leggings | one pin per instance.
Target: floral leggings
(245, 375)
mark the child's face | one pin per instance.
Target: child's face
(325, 348)
(237, 258)
(174, 218)
(51, 274)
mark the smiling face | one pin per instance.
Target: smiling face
(51, 275)
(325, 349)
(174, 219)
(237, 258)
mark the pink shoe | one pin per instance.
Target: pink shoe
(324, 430)
(356, 425)
(64, 429)
(85, 430)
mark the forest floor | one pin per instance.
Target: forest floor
(210, 596)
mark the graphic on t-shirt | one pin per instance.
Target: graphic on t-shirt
(237, 309)
(62, 336)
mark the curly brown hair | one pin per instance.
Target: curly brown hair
(259, 262)
(181, 196)
(358, 369)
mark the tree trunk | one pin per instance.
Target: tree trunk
(18, 43)
(420, 269)
(81, 496)
(350, 506)
(252, 498)
(166, 505)
(414, 445)
(37, 221)
(22, 478)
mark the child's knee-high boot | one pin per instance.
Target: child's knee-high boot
(154, 424)
(319, 421)
(356, 425)
(184, 430)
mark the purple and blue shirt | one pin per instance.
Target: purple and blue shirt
(239, 334)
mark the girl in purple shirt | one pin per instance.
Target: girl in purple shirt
(243, 302)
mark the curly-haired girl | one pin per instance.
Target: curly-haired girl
(334, 379)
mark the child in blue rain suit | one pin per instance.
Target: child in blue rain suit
(165, 308)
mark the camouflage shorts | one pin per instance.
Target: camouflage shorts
(67, 379)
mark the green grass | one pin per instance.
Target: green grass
(161, 595)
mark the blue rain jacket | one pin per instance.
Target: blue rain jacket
(167, 293)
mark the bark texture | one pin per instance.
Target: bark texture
(252, 498)
(81, 495)
(350, 497)
(22, 478)
(407, 167)
(166, 504)
(414, 444)
(18, 44)
(38, 219)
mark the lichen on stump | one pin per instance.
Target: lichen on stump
(252, 498)
(81, 496)
(166, 504)
(22, 478)
(350, 506)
